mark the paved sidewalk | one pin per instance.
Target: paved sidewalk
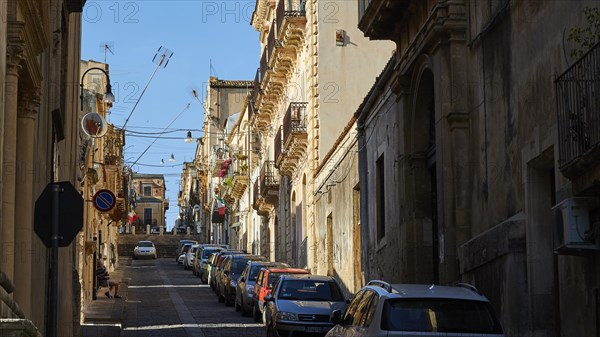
(104, 316)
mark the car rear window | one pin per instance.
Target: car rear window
(439, 315)
(145, 244)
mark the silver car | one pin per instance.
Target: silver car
(384, 310)
(301, 304)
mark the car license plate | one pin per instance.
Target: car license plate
(313, 329)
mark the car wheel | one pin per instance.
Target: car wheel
(227, 299)
(255, 312)
(236, 305)
(245, 311)
(264, 318)
(272, 332)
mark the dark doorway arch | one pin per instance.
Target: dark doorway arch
(425, 181)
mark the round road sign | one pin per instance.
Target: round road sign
(104, 200)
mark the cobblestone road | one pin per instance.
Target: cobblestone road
(165, 300)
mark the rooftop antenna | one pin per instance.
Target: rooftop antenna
(161, 58)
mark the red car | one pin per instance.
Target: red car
(264, 283)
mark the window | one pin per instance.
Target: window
(147, 190)
(147, 216)
(361, 310)
(349, 316)
(441, 315)
(380, 196)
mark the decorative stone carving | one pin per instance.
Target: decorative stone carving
(29, 104)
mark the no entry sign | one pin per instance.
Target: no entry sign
(104, 200)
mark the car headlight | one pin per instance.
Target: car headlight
(287, 316)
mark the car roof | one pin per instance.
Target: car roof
(267, 264)
(287, 270)
(306, 277)
(435, 291)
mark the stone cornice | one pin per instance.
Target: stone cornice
(34, 29)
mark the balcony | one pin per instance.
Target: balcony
(269, 183)
(378, 18)
(284, 43)
(258, 203)
(293, 140)
(578, 109)
(291, 22)
(240, 178)
(217, 157)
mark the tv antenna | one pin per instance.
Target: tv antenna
(161, 58)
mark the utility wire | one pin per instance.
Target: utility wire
(143, 91)
(155, 139)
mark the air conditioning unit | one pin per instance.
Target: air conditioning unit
(575, 231)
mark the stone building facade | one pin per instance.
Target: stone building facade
(224, 99)
(150, 202)
(100, 167)
(39, 138)
(304, 99)
(479, 159)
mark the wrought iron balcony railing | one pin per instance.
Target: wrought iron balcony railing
(294, 120)
(287, 8)
(278, 145)
(578, 109)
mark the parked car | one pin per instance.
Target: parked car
(180, 245)
(301, 304)
(233, 266)
(210, 263)
(245, 285)
(264, 283)
(201, 258)
(183, 252)
(189, 257)
(217, 265)
(155, 230)
(381, 309)
(144, 249)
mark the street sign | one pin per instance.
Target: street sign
(70, 214)
(104, 200)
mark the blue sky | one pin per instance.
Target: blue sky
(198, 32)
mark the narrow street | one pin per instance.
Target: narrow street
(163, 299)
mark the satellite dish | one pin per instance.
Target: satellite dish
(94, 125)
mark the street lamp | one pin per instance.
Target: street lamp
(172, 159)
(189, 138)
(108, 95)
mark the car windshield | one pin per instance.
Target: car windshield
(439, 315)
(309, 290)
(238, 265)
(192, 250)
(254, 272)
(145, 244)
(206, 252)
(186, 248)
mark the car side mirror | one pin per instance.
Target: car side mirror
(269, 298)
(336, 317)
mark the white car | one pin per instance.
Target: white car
(188, 261)
(144, 249)
(381, 309)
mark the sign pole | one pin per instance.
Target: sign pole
(53, 319)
